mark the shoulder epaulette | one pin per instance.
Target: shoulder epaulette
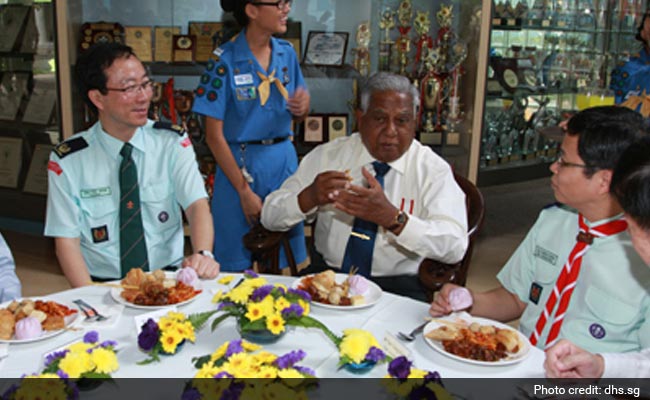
(555, 204)
(70, 146)
(170, 127)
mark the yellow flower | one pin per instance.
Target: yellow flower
(220, 352)
(264, 357)
(169, 340)
(248, 346)
(226, 279)
(255, 282)
(267, 306)
(75, 364)
(356, 343)
(281, 303)
(217, 297)
(237, 363)
(417, 374)
(79, 347)
(50, 388)
(267, 372)
(277, 391)
(305, 306)
(166, 323)
(275, 323)
(255, 311)
(291, 377)
(105, 360)
(179, 317)
(441, 393)
(253, 391)
(206, 371)
(240, 294)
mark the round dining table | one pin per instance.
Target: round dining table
(390, 314)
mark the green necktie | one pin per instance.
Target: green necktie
(133, 248)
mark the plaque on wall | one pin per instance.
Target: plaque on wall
(36, 181)
(139, 38)
(163, 36)
(41, 105)
(183, 48)
(337, 125)
(100, 32)
(11, 158)
(206, 33)
(326, 48)
(13, 18)
(315, 130)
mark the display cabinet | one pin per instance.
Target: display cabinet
(375, 38)
(548, 59)
(29, 115)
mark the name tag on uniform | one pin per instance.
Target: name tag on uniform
(88, 193)
(246, 93)
(243, 79)
(545, 255)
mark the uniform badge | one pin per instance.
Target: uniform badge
(212, 95)
(535, 292)
(285, 76)
(200, 91)
(243, 79)
(129, 205)
(246, 93)
(54, 167)
(100, 234)
(217, 83)
(70, 146)
(163, 216)
(597, 331)
(221, 70)
(545, 255)
(186, 143)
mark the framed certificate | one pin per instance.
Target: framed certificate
(315, 129)
(36, 181)
(337, 125)
(163, 37)
(139, 38)
(100, 32)
(183, 48)
(326, 48)
(11, 159)
(206, 34)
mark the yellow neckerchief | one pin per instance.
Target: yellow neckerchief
(264, 87)
(633, 103)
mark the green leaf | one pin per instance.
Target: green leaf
(198, 320)
(200, 361)
(309, 322)
(96, 375)
(218, 320)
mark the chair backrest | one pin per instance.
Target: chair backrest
(433, 274)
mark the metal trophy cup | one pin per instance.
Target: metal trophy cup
(404, 14)
(386, 23)
(362, 52)
(425, 42)
(156, 101)
(431, 91)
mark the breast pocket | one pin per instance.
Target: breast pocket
(160, 211)
(618, 315)
(100, 220)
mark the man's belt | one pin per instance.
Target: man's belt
(266, 142)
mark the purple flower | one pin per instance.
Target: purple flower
(375, 354)
(305, 296)
(233, 392)
(62, 375)
(249, 273)
(280, 290)
(287, 360)
(304, 370)
(9, 393)
(50, 358)
(422, 392)
(294, 310)
(233, 348)
(108, 344)
(149, 335)
(225, 304)
(91, 337)
(222, 375)
(261, 292)
(433, 377)
(191, 394)
(400, 367)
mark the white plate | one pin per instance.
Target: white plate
(519, 356)
(69, 321)
(116, 294)
(371, 298)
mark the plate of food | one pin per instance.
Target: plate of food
(477, 340)
(339, 291)
(157, 289)
(31, 320)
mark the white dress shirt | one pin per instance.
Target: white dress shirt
(420, 183)
(627, 365)
(9, 283)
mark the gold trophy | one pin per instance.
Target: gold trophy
(362, 53)
(386, 23)
(404, 14)
(422, 25)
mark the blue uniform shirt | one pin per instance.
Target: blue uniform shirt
(631, 76)
(84, 193)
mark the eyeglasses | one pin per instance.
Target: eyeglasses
(130, 91)
(279, 4)
(561, 163)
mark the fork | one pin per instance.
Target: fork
(89, 311)
(409, 337)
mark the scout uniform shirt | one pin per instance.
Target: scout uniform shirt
(631, 76)
(609, 310)
(84, 193)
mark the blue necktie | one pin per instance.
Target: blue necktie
(360, 247)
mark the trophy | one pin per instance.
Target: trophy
(156, 100)
(362, 53)
(386, 23)
(183, 100)
(404, 14)
(421, 23)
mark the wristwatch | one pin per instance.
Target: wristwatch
(206, 253)
(400, 219)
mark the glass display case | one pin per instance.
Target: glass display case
(547, 59)
(29, 116)
(436, 43)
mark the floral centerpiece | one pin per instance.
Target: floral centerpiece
(407, 382)
(168, 334)
(263, 311)
(51, 386)
(359, 351)
(235, 364)
(89, 358)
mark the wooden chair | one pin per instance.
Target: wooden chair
(264, 245)
(433, 274)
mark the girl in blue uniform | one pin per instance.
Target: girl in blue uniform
(249, 94)
(634, 75)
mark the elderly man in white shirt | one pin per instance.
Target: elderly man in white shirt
(413, 209)
(9, 283)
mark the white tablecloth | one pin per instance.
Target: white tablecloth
(391, 314)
